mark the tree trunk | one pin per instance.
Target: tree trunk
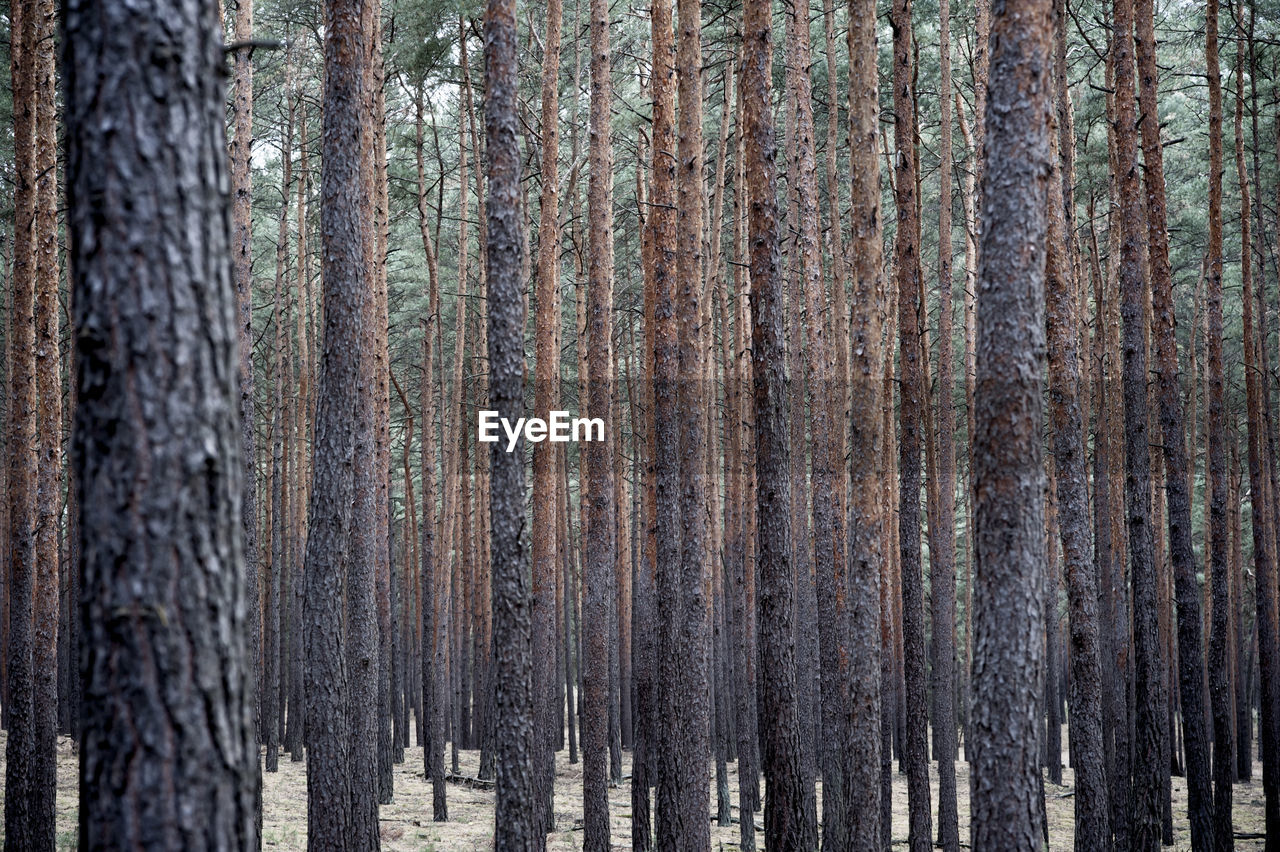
(600, 508)
(1216, 434)
(295, 732)
(26, 803)
(164, 603)
(240, 153)
(942, 550)
(361, 624)
(780, 733)
(911, 419)
(513, 667)
(867, 509)
(1009, 473)
(48, 377)
(1190, 661)
(1149, 752)
(827, 567)
(434, 585)
(344, 229)
(1092, 829)
(546, 397)
(271, 682)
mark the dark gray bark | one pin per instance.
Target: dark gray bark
(23, 802)
(515, 828)
(1187, 591)
(163, 610)
(1092, 824)
(344, 230)
(911, 413)
(867, 421)
(1149, 696)
(779, 718)
(600, 509)
(1008, 471)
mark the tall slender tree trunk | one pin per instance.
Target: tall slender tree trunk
(1009, 473)
(600, 507)
(344, 230)
(942, 550)
(1216, 432)
(743, 580)
(272, 671)
(25, 802)
(294, 736)
(513, 667)
(828, 567)
(1065, 406)
(780, 733)
(434, 583)
(546, 397)
(362, 564)
(665, 381)
(911, 419)
(381, 390)
(48, 376)
(1190, 661)
(240, 153)
(867, 509)
(643, 615)
(162, 603)
(1149, 747)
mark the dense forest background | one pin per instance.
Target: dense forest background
(670, 611)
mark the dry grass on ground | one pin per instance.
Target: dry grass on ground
(407, 825)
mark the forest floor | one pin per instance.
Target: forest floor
(407, 825)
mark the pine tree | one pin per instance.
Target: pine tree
(151, 270)
(1009, 473)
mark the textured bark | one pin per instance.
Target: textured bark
(1201, 807)
(344, 231)
(434, 587)
(240, 153)
(911, 419)
(1269, 658)
(685, 668)
(163, 609)
(742, 580)
(1052, 741)
(513, 667)
(1149, 696)
(779, 720)
(380, 388)
(361, 640)
(724, 515)
(968, 199)
(46, 603)
(1009, 474)
(942, 545)
(862, 754)
(546, 397)
(665, 384)
(889, 595)
(26, 804)
(643, 647)
(295, 732)
(600, 508)
(273, 693)
(826, 566)
(1241, 639)
(1216, 432)
(1264, 520)
(1092, 824)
